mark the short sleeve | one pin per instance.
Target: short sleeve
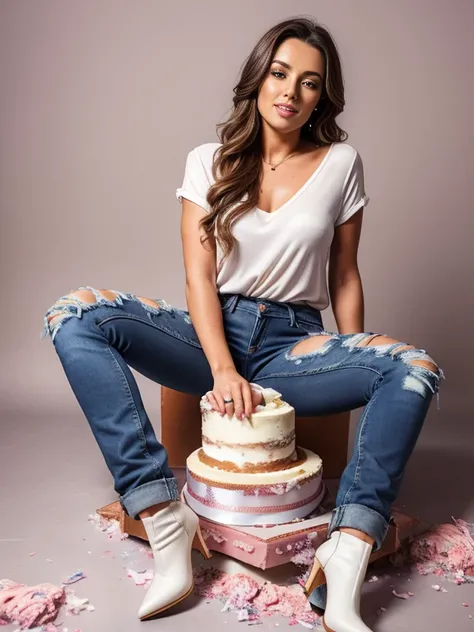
(195, 182)
(353, 191)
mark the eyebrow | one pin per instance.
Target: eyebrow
(306, 72)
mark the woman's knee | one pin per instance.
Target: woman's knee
(86, 299)
(409, 353)
(413, 356)
(74, 304)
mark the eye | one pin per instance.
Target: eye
(310, 84)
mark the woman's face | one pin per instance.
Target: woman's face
(295, 79)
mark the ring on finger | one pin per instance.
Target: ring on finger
(228, 400)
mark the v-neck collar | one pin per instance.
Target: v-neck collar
(302, 188)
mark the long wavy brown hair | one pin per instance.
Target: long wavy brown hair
(237, 164)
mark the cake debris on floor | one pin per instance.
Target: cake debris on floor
(252, 600)
(404, 595)
(37, 606)
(75, 577)
(446, 550)
(108, 526)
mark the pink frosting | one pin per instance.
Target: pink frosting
(446, 550)
(252, 599)
(29, 606)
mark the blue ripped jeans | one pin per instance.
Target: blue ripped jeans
(97, 342)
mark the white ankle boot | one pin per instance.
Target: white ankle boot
(171, 532)
(342, 562)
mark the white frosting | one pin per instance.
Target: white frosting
(247, 455)
(229, 437)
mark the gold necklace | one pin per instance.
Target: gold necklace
(279, 163)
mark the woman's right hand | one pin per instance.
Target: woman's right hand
(229, 384)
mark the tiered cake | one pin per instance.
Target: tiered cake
(251, 472)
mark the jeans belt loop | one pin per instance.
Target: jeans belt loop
(292, 314)
(233, 303)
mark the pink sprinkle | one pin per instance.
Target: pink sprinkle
(466, 605)
(33, 553)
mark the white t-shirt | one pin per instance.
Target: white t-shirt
(283, 256)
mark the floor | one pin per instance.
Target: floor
(55, 478)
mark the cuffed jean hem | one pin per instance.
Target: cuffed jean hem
(148, 494)
(362, 518)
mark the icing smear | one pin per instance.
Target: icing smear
(271, 397)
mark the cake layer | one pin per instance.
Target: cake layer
(248, 465)
(264, 441)
(239, 498)
(307, 466)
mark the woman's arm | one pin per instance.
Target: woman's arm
(206, 314)
(345, 284)
(201, 293)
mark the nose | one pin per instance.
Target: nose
(291, 92)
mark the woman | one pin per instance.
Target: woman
(262, 213)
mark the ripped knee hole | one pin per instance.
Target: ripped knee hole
(314, 343)
(90, 298)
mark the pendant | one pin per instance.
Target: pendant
(273, 168)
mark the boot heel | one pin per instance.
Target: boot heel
(200, 545)
(316, 577)
(326, 627)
